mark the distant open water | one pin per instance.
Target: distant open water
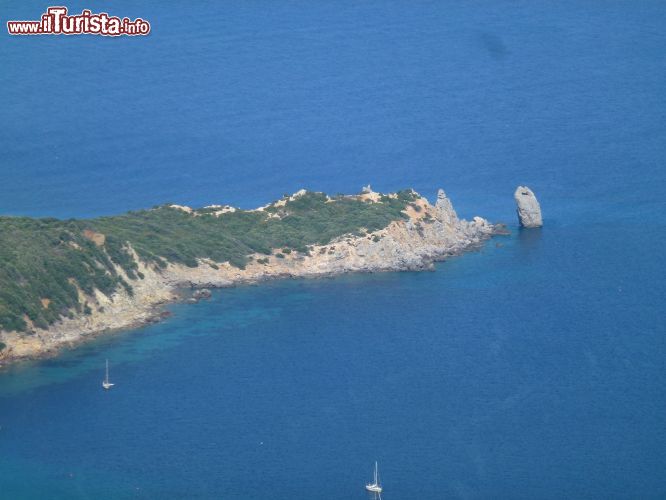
(531, 369)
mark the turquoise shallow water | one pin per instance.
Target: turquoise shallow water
(533, 368)
(486, 378)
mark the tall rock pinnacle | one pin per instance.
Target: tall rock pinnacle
(446, 212)
(527, 207)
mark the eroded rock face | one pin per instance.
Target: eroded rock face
(429, 233)
(446, 212)
(527, 207)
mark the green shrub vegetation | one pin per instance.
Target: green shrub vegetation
(44, 262)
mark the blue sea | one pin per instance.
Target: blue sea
(534, 368)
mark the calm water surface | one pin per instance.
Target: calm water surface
(534, 368)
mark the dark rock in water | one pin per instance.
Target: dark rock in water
(527, 207)
(204, 293)
(501, 230)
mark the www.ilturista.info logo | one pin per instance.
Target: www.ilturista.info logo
(56, 21)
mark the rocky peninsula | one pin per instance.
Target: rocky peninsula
(62, 282)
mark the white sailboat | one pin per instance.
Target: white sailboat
(374, 487)
(105, 383)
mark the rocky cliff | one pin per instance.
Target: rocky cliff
(424, 234)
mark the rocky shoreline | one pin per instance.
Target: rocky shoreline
(432, 232)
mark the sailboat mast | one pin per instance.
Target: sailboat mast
(107, 372)
(376, 473)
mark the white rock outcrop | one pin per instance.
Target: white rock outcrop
(445, 209)
(527, 207)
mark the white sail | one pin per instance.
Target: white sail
(374, 487)
(106, 384)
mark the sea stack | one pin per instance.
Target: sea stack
(445, 208)
(527, 207)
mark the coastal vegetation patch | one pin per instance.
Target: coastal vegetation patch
(48, 267)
